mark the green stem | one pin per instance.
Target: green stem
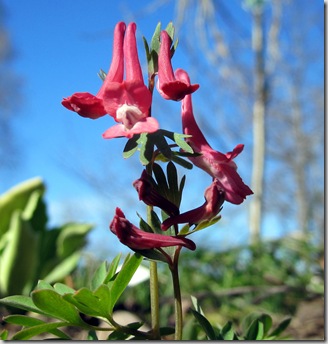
(177, 298)
(154, 300)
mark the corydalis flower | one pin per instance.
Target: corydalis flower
(127, 101)
(168, 85)
(150, 196)
(214, 198)
(136, 239)
(218, 165)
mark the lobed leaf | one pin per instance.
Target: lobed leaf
(53, 304)
(33, 331)
(27, 321)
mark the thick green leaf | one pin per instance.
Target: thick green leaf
(52, 303)
(72, 237)
(35, 211)
(64, 268)
(123, 278)
(16, 198)
(19, 259)
(38, 329)
(21, 302)
(27, 321)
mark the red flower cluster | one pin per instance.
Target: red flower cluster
(128, 102)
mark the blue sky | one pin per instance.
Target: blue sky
(60, 46)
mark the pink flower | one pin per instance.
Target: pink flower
(168, 86)
(147, 192)
(127, 101)
(214, 198)
(136, 239)
(216, 164)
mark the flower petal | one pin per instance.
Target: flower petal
(147, 125)
(85, 104)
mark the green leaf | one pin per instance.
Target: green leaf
(155, 41)
(72, 237)
(21, 302)
(172, 178)
(280, 328)
(155, 223)
(54, 305)
(19, 260)
(205, 324)
(99, 276)
(85, 302)
(206, 223)
(179, 140)
(27, 321)
(43, 285)
(144, 225)
(227, 331)
(146, 148)
(163, 187)
(131, 146)
(16, 198)
(63, 268)
(36, 330)
(184, 230)
(63, 289)
(112, 268)
(4, 335)
(184, 163)
(170, 30)
(92, 335)
(255, 331)
(123, 278)
(152, 254)
(162, 144)
(92, 303)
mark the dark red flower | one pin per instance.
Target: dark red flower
(214, 198)
(147, 192)
(136, 239)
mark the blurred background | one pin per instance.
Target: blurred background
(260, 66)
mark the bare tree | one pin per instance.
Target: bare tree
(9, 97)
